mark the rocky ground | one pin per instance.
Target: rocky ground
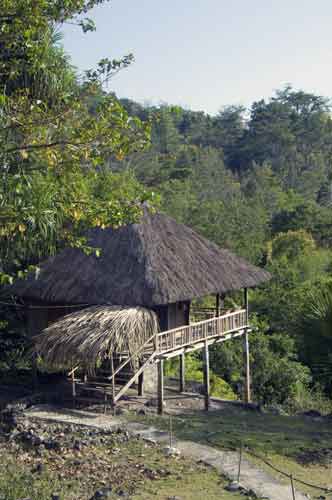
(55, 461)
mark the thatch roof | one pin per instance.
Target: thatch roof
(89, 336)
(154, 262)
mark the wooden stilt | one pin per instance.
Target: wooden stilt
(73, 387)
(113, 382)
(161, 387)
(206, 376)
(247, 391)
(140, 386)
(182, 369)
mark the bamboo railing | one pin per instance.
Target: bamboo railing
(203, 330)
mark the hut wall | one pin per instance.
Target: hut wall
(170, 316)
(178, 314)
(36, 321)
(42, 314)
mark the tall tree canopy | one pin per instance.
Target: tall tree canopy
(56, 131)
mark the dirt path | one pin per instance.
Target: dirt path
(225, 462)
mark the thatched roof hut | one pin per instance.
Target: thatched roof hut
(154, 262)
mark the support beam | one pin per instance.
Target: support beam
(161, 387)
(206, 376)
(247, 390)
(182, 369)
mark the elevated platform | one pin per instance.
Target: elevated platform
(163, 346)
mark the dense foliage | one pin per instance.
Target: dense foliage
(257, 181)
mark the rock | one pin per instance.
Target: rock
(170, 451)
(311, 414)
(52, 444)
(233, 486)
(275, 410)
(141, 411)
(77, 445)
(39, 468)
(102, 493)
(122, 494)
(151, 441)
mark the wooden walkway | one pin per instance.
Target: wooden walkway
(172, 342)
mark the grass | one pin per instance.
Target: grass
(297, 445)
(133, 468)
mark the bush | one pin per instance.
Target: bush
(277, 376)
(194, 373)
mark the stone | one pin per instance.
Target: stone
(170, 451)
(233, 486)
(102, 493)
(77, 445)
(311, 414)
(40, 468)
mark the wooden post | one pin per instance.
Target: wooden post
(247, 391)
(161, 387)
(113, 382)
(140, 385)
(246, 304)
(217, 305)
(182, 373)
(73, 387)
(206, 376)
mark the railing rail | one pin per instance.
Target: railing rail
(190, 334)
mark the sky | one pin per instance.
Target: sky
(205, 54)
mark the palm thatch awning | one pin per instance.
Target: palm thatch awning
(154, 262)
(89, 336)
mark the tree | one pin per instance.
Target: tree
(315, 331)
(51, 136)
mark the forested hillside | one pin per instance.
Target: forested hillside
(258, 181)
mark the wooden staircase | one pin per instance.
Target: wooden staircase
(109, 387)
